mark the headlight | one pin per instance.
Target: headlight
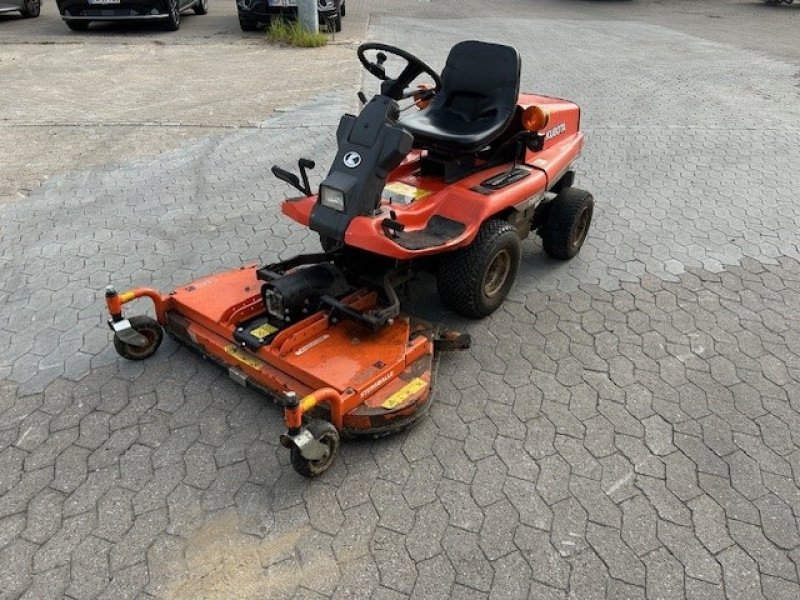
(332, 198)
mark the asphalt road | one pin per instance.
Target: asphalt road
(627, 426)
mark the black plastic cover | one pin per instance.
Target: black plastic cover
(370, 147)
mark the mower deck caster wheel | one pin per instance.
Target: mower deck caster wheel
(325, 433)
(474, 281)
(567, 223)
(147, 327)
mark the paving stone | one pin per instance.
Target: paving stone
(771, 559)
(471, 565)
(511, 577)
(397, 570)
(710, 525)
(55, 552)
(777, 521)
(741, 574)
(664, 575)
(622, 562)
(697, 561)
(546, 563)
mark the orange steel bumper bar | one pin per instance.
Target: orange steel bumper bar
(293, 414)
(115, 301)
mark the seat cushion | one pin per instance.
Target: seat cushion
(480, 87)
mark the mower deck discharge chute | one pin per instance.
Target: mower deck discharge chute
(452, 188)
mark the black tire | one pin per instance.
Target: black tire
(325, 432)
(475, 280)
(173, 21)
(31, 9)
(201, 8)
(148, 328)
(568, 220)
(343, 9)
(328, 243)
(336, 22)
(78, 25)
(247, 24)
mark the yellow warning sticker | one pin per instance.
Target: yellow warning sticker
(262, 332)
(402, 193)
(243, 356)
(400, 396)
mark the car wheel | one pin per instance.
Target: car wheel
(201, 8)
(31, 8)
(173, 22)
(568, 220)
(247, 24)
(474, 281)
(78, 25)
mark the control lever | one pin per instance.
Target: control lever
(391, 226)
(305, 164)
(362, 97)
(292, 179)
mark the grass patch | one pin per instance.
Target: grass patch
(294, 34)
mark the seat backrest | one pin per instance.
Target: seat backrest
(480, 82)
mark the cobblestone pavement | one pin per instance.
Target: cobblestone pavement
(627, 426)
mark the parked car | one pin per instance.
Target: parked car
(257, 14)
(28, 8)
(77, 14)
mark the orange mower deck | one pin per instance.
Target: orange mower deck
(364, 382)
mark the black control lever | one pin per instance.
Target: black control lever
(306, 164)
(391, 226)
(292, 179)
(362, 97)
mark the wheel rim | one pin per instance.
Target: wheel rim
(581, 228)
(173, 7)
(497, 273)
(322, 463)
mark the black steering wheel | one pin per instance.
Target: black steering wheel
(396, 88)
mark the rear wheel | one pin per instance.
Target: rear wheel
(475, 280)
(342, 9)
(201, 8)
(173, 22)
(31, 8)
(78, 25)
(325, 433)
(568, 221)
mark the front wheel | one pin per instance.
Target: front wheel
(247, 24)
(173, 22)
(31, 8)
(201, 8)
(567, 224)
(474, 281)
(325, 433)
(150, 329)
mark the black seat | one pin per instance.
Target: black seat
(480, 88)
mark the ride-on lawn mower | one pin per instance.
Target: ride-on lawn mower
(450, 188)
